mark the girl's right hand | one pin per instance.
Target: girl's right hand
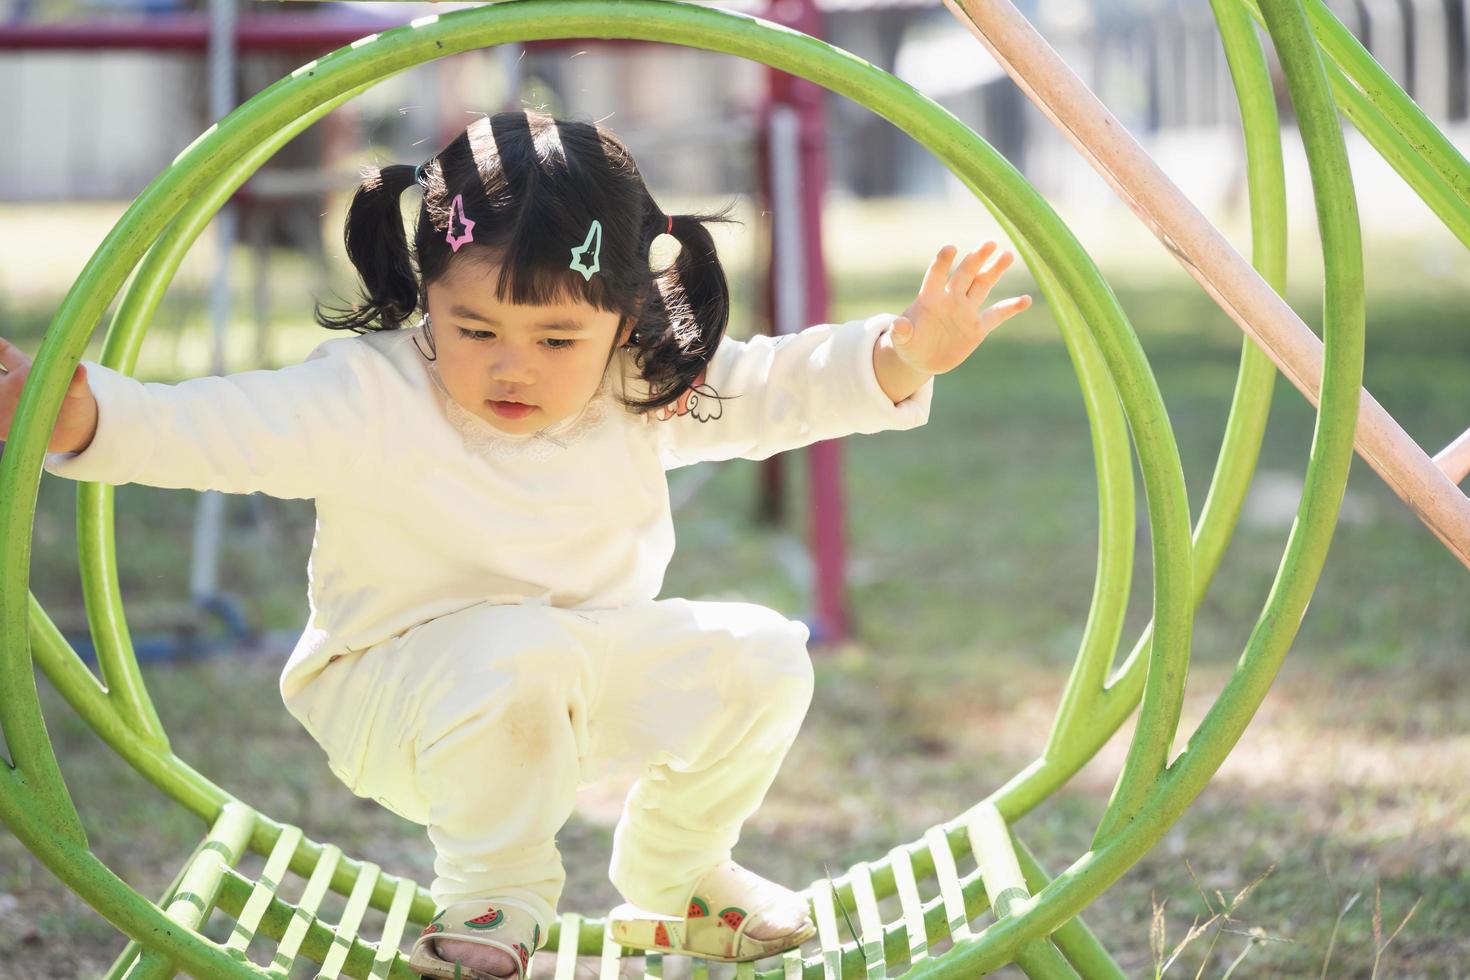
(77, 423)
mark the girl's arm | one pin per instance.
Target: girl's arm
(895, 377)
(291, 432)
(771, 394)
(777, 393)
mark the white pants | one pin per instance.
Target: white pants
(482, 724)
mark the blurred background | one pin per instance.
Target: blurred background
(950, 591)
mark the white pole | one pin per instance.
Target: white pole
(786, 220)
(209, 517)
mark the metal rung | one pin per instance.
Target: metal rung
(393, 926)
(199, 886)
(1000, 871)
(611, 966)
(305, 912)
(199, 889)
(344, 932)
(266, 887)
(127, 960)
(399, 897)
(996, 855)
(948, 876)
(871, 921)
(913, 906)
(827, 933)
(566, 946)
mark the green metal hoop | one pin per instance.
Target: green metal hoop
(1118, 387)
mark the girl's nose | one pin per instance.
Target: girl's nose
(511, 368)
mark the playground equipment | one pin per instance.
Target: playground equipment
(218, 37)
(1009, 909)
(783, 136)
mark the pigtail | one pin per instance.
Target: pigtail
(378, 248)
(685, 316)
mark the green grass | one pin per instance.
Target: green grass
(972, 546)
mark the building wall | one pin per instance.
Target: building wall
(89, 126)
(100, 126)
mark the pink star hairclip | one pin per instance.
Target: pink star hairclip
(456, 209)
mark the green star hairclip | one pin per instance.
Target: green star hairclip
(593, 244)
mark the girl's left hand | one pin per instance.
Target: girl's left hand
(945, 324)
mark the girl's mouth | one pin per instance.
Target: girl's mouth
(512, 410)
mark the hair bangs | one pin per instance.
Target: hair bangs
(528, 278)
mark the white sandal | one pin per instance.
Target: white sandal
(718, 911)
(486, 922)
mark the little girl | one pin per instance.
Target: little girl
(493, 526)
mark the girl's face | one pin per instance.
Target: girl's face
(551, 358)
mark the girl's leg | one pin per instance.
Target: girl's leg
(709, 696)
(500, 731)
(478, 734)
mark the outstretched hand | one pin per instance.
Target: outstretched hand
(77, 422)
(945, 323)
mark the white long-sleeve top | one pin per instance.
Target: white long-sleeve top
(424, 509)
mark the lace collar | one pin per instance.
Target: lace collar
(482, 437)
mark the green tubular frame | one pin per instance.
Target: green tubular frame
(1037, 924)
(1391, 121)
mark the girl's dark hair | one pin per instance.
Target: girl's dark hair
(533, 185)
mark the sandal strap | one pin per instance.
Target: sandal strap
(502, 924)
(727, 880)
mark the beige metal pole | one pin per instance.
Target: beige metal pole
(1208, 256)
(1454, 459)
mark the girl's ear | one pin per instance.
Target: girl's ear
(625, 332)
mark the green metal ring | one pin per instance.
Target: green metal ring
(1047, 246)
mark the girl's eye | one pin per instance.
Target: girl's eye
(553, 343)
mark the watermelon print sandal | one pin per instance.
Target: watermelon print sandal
(483, 921)
(717, 914)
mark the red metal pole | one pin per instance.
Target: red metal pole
(190, 32)
(304, 33)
